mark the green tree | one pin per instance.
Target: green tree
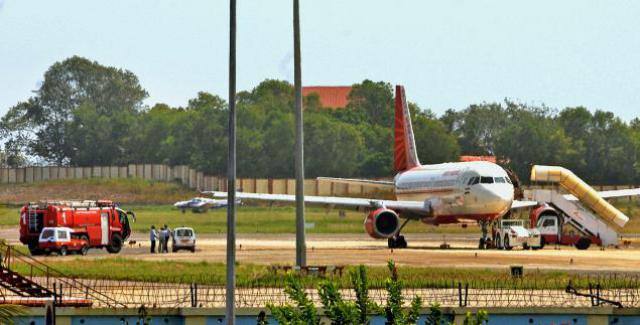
(433, 142)
(374, 100)
(477, 127)
(67, 86)
(531, 137)
(331, 147)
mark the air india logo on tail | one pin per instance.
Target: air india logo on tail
(405, 154)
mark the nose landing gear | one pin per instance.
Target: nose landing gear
(485, 241)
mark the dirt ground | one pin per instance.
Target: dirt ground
(349, 249)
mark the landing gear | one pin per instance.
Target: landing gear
(397, 240)
(485, 242)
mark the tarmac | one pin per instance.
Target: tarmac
(349, 249)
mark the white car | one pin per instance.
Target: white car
(184, 238)
(62, 240)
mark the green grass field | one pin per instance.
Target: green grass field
(250, 275)
(281, 219)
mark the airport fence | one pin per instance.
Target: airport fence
(618, 290)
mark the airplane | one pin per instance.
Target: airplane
(201, 204)
(454, 192)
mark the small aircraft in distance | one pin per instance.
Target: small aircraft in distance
(201, 204)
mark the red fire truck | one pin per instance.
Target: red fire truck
(101, 223)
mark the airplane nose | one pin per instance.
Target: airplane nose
(501, 198)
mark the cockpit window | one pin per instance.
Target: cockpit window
(500, 180)
(508, 180)
(473, 180)
(486, 180)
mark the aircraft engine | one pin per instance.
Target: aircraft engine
(382, 223)
(539, 211)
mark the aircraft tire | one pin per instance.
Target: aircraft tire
(401, 242)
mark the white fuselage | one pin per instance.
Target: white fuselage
(457, 192)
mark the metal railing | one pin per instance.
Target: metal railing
(615, 290)
(51, 278)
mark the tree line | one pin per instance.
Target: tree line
(87, 114)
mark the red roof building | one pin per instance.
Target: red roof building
(478, 158)
(330, 96)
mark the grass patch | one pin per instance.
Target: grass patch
(250, 275)
(122, 190)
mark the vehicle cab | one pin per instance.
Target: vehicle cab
(184, 238)
(62, 240)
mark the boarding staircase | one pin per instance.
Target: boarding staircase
(584, 209)
(21, 285)
(28, 281)
(575, 214)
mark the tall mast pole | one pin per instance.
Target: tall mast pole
(230, 314)
(301, 255)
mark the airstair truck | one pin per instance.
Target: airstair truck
(581, 218)
(101, 223)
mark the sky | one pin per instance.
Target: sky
(448, 54)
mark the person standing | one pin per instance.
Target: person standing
(165, 238)
(153, 235)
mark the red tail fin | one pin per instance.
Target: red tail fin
(405, 153)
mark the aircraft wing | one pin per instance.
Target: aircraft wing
(353, 181)
(611, 194)
(330, 200)
(523, 204)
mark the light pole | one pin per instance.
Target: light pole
(301, 254)
(230, 314)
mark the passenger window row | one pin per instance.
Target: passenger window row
(488, 180)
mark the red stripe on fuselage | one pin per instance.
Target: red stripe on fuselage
(447, 219)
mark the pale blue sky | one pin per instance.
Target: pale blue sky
(448, 54)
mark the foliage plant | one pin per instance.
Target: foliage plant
(394, 310)
(9, 312)
(342, 312)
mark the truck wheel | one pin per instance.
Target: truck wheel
(34, 250)
(84, 250)
(506, 244)
(116, 244)
(583, 243)
(63, 251)
(541, 244)
(498, 242)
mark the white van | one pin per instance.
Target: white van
(184, 238)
